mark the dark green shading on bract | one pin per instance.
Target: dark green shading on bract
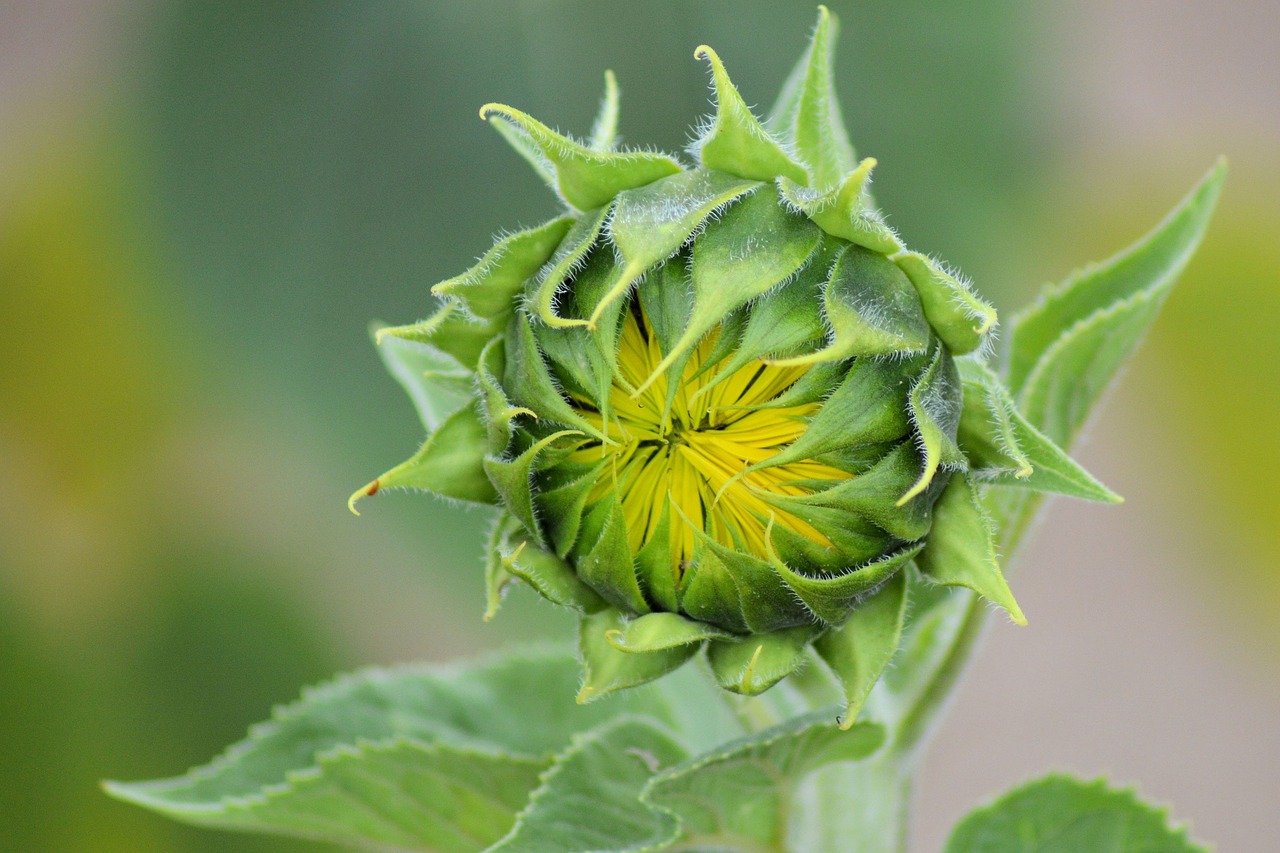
(771, 241)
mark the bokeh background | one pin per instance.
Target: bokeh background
(203, 204)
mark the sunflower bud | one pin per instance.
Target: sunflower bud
(718, 406)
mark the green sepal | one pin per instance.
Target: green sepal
(604, 130)
(961, 550)
(788, 321)
(449, 331)
(736, 142)
(563, 502)
(832, 597)
(496, 576)
(738, 592)
(550, 576)
(845, 210)
(512, 480)
(744, 791)
(529, 383)
(753, 664)
(584, 178)
(752, 248)
(960, 317)
(437, 383)
(582, 358)
(1004, 449)
(807, 114)
(872, 310)
(654, 632)
(868, 407)
(859, 650)
(605, 669)
(650, 224)
(497, 409)
(489, 289)
(935, 405)
(653, 565)
(589, 799)
(568, 258)
(603, 558)
(450, 463)
(871, 495)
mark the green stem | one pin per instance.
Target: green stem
(854, 808)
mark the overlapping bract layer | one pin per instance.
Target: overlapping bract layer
(718, 406)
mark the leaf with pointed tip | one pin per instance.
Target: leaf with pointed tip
(751, 665)
(961, 550)
(831, 597)
(859, 650)
(960, 317)
(551, 577)
(736, 142)
(1060, 814)
(437, 384)
(605, 669)
(807, 114)
(590, 798)
(397, 793)
(496, 576)
(871, 308)
(489, 290)
(585, 179)
(421, 758)
(450, 463)
(569, 258)
(740, 795)
(1004, 449)
(530, 383)
(656, 631)
(603, 558)
(604, 131)
(1067, 348)
(755, 246)
(511, 479)
(935, 405)
(845, 210)
(651, 223)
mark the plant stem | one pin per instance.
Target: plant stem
(855, 807)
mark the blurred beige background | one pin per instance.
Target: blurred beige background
(202, 205)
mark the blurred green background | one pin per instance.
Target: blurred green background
(202, 205)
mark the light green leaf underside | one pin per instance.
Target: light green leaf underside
(437, 383)
(743, 791)
(1004, 449)
(736, 142)
(590, 798)
(859, 650)
(585, 179)
(1066, 349)
(1059, 814)
(398, 793)
(961, 547)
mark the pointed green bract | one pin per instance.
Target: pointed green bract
(935, 407)
(961, 548)
(751, 666)
(488, 290)
(1059, 813)
(605, 669)
(860, 649)
(448, 332)
(1004, 449)
(807, 114)
(585, 179)
(436, 383)
(604, 131)
(657, 631)
(569, 257)
(832, 597)
(960, 317)
(845, 210)
(736, 142)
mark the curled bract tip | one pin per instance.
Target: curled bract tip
(367, 490)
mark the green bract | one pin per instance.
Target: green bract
(720, 406)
